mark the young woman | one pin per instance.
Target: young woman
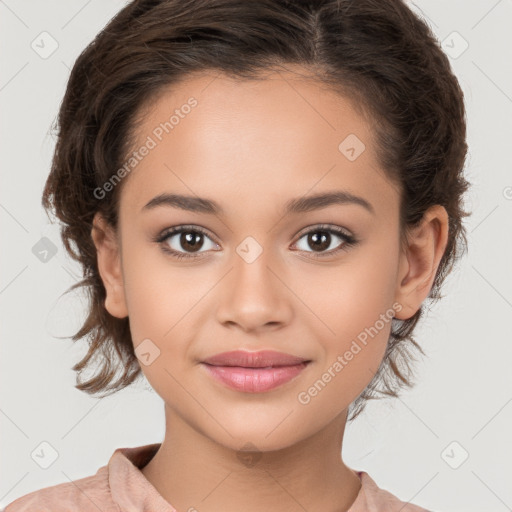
(262, 196)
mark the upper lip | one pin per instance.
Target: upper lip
(262, 359)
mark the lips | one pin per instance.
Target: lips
(262, 359)
(254, 372)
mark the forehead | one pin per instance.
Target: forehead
(277, 137)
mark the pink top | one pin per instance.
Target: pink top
(120, 486)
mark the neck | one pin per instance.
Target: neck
(192, 471)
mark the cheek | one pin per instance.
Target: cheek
(163, 302)
(152, 298)
(353, 312)
(155, 287)
(352, 296)
(353, 349)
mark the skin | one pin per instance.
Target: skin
(251, 147)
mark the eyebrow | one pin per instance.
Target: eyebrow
(298, 205)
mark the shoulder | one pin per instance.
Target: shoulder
(89, 493)
(377, 499)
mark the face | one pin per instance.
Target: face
(258, 263)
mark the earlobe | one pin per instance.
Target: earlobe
(109, 266)
(420, 261)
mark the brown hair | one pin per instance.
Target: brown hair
(377, 53)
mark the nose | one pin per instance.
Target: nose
(254, 296)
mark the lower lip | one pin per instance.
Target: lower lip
(254, 380)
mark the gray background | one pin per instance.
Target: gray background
(462, 402)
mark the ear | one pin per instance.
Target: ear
(109, 265)
(420, 259)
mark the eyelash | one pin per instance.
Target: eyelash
(349, 240)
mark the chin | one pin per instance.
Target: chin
(258, 435)
(255, 442)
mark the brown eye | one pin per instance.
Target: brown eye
(183, 242)
(323, 240)
(319, 240)
(191, 240)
